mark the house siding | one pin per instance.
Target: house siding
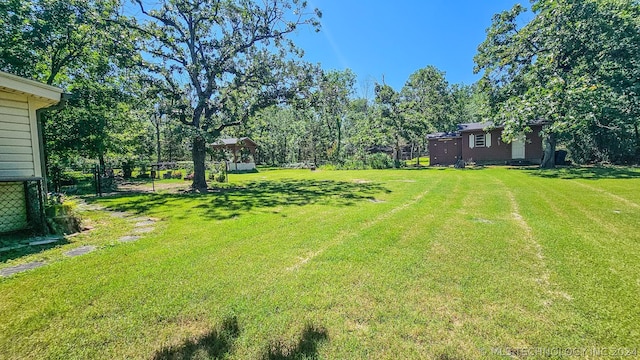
(500, 151)
(16, 137)
(20, 158)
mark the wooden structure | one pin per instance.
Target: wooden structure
(21, 151)
(235, 146)
(482, 143)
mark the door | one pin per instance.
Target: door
(517, 148)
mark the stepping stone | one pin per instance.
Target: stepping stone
(118, 214)
(20, 268)
(91, 207)
(129, 238)
(80, 251)
(12, 247)
(143, 230)
(144, 223)
(45, 240)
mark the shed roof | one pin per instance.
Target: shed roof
(489, 124)
(243, 141)
(443, 135)
(475, 126)
(46, 94)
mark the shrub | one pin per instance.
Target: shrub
(127, 168)
(62, 217)
(328, 167)
(380, 161)
(176, 174)
(187, 165)
(353, 164)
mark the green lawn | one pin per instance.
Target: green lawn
(293, 264)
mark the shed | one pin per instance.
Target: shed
(482, 143)
(235, 147)
(444, 148)
(21, 151)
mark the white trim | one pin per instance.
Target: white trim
(35, 139)
(472, 141)
(47, 94)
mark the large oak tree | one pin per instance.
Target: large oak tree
(220, 59)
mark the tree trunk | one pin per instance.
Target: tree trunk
(339, 127)
(635, 127)
(102, 162)
(198, 154)
(396, 155)
(158, 148)
(549, 154)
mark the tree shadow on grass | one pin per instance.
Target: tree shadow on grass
(14, 247)
(216, 344)
(589, 173)
(226, 203)
(305, 348)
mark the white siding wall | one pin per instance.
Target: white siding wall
(16, 137)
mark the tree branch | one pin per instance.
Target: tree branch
(226, 125)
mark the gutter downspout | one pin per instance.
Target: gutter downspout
(64, 97)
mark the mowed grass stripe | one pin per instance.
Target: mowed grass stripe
(491, 296)
(620, 199)
(347, 301)
(307, 301)
(596, 266)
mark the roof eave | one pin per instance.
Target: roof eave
(46, 94)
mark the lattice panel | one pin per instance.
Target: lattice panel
(13, 207)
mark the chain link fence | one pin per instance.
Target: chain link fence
(21, 206)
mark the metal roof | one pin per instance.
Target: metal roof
(443, 135)
(235, 141)
(474, 126)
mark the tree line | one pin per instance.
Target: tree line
(159, 82)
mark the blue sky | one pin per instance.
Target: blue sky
(393, 39)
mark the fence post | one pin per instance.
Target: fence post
(97, 179)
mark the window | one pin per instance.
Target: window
(480, 140)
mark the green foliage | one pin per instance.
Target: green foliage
(372, 161)
(218, 172)
(232, 54)
(380, 161)
(427, 102)
(62, 216)
(575, 66)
